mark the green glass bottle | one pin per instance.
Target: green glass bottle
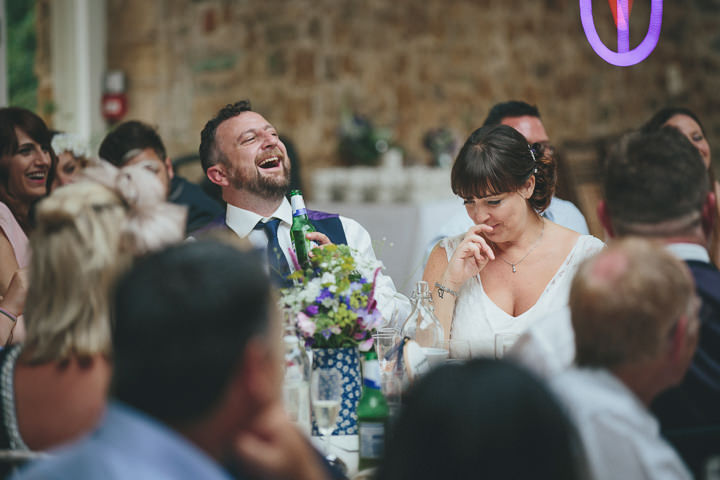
(372, 413)
(300, 226)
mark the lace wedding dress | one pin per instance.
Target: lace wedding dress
(477, 319)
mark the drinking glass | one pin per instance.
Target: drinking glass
(459, 349)
(385, 341)
(503, 343)
(326, 393)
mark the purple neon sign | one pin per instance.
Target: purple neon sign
(624, 57)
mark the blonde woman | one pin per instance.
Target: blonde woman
(55, 383)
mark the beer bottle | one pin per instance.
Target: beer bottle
(372, 413)
(300, 226)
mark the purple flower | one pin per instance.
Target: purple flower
(325, 293)
(359, 335)
(312, 310)
(326, 333)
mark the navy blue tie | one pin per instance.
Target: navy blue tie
(279, 269)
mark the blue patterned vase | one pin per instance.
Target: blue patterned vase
(347, 361)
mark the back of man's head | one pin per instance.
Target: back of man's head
(625, 302)
(511, 109)
(655, 184)
(127, 140)
(183, 318)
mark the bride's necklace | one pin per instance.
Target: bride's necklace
(537, 242)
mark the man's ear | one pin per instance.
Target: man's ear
(604, 216)
(169, 166)
(258, 373)
(217, 174)
(709, 214)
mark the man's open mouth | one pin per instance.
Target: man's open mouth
(270, 162)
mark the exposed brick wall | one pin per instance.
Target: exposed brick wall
(410, 65)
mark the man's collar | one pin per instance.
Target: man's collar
(243, 221)
(689, 251)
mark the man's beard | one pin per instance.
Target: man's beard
(271, 188)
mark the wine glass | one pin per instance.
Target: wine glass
(326, 395)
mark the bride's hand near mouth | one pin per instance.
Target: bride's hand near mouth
(470, 257)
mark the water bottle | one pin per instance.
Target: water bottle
(423, 326)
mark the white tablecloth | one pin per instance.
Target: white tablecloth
(401, 232)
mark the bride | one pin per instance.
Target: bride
(513, 266)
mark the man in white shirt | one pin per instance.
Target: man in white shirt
(635, 316)
(241, 152)
(525, 119)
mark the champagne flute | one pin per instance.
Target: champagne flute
(326, 396)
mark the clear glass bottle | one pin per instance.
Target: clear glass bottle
(423, 326)
(296, 384)
(300, 226)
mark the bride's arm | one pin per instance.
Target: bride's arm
(434, 270)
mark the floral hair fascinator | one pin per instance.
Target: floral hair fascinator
(153, 222)
(69, 142)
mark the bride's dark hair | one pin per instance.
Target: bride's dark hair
(497, 159)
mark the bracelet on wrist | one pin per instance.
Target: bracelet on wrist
(8, 315)
(442, 289)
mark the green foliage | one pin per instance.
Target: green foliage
(21, 46)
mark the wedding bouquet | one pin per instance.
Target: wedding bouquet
(332, 301)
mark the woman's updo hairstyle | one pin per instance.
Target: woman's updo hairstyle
(497, 159)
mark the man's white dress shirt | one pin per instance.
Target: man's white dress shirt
(243, 222)
(620, 436)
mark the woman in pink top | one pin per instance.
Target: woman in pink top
(26, 161)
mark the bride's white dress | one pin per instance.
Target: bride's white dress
(478, 319)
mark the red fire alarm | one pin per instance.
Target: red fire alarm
(114, 100)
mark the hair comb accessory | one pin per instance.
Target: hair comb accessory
(532, 149)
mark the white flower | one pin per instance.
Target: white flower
(68, 142)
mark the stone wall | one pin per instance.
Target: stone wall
(410, 65)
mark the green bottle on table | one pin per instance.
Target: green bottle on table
(372, 413)
(300, 226)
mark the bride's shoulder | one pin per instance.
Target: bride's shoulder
(572, 240)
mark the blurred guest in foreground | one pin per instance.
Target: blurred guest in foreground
(73, 155)
(53, 386)
(635, 316)
(512, 266)
(643, 171)
(482, 419)
(26, 161)
(133, 142)
(192, 398)
(687, 123)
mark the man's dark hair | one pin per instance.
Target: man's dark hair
(182, 320)
(127, 140)
(511, 109)
(449, 427)
(210, 154)
(655, 179)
